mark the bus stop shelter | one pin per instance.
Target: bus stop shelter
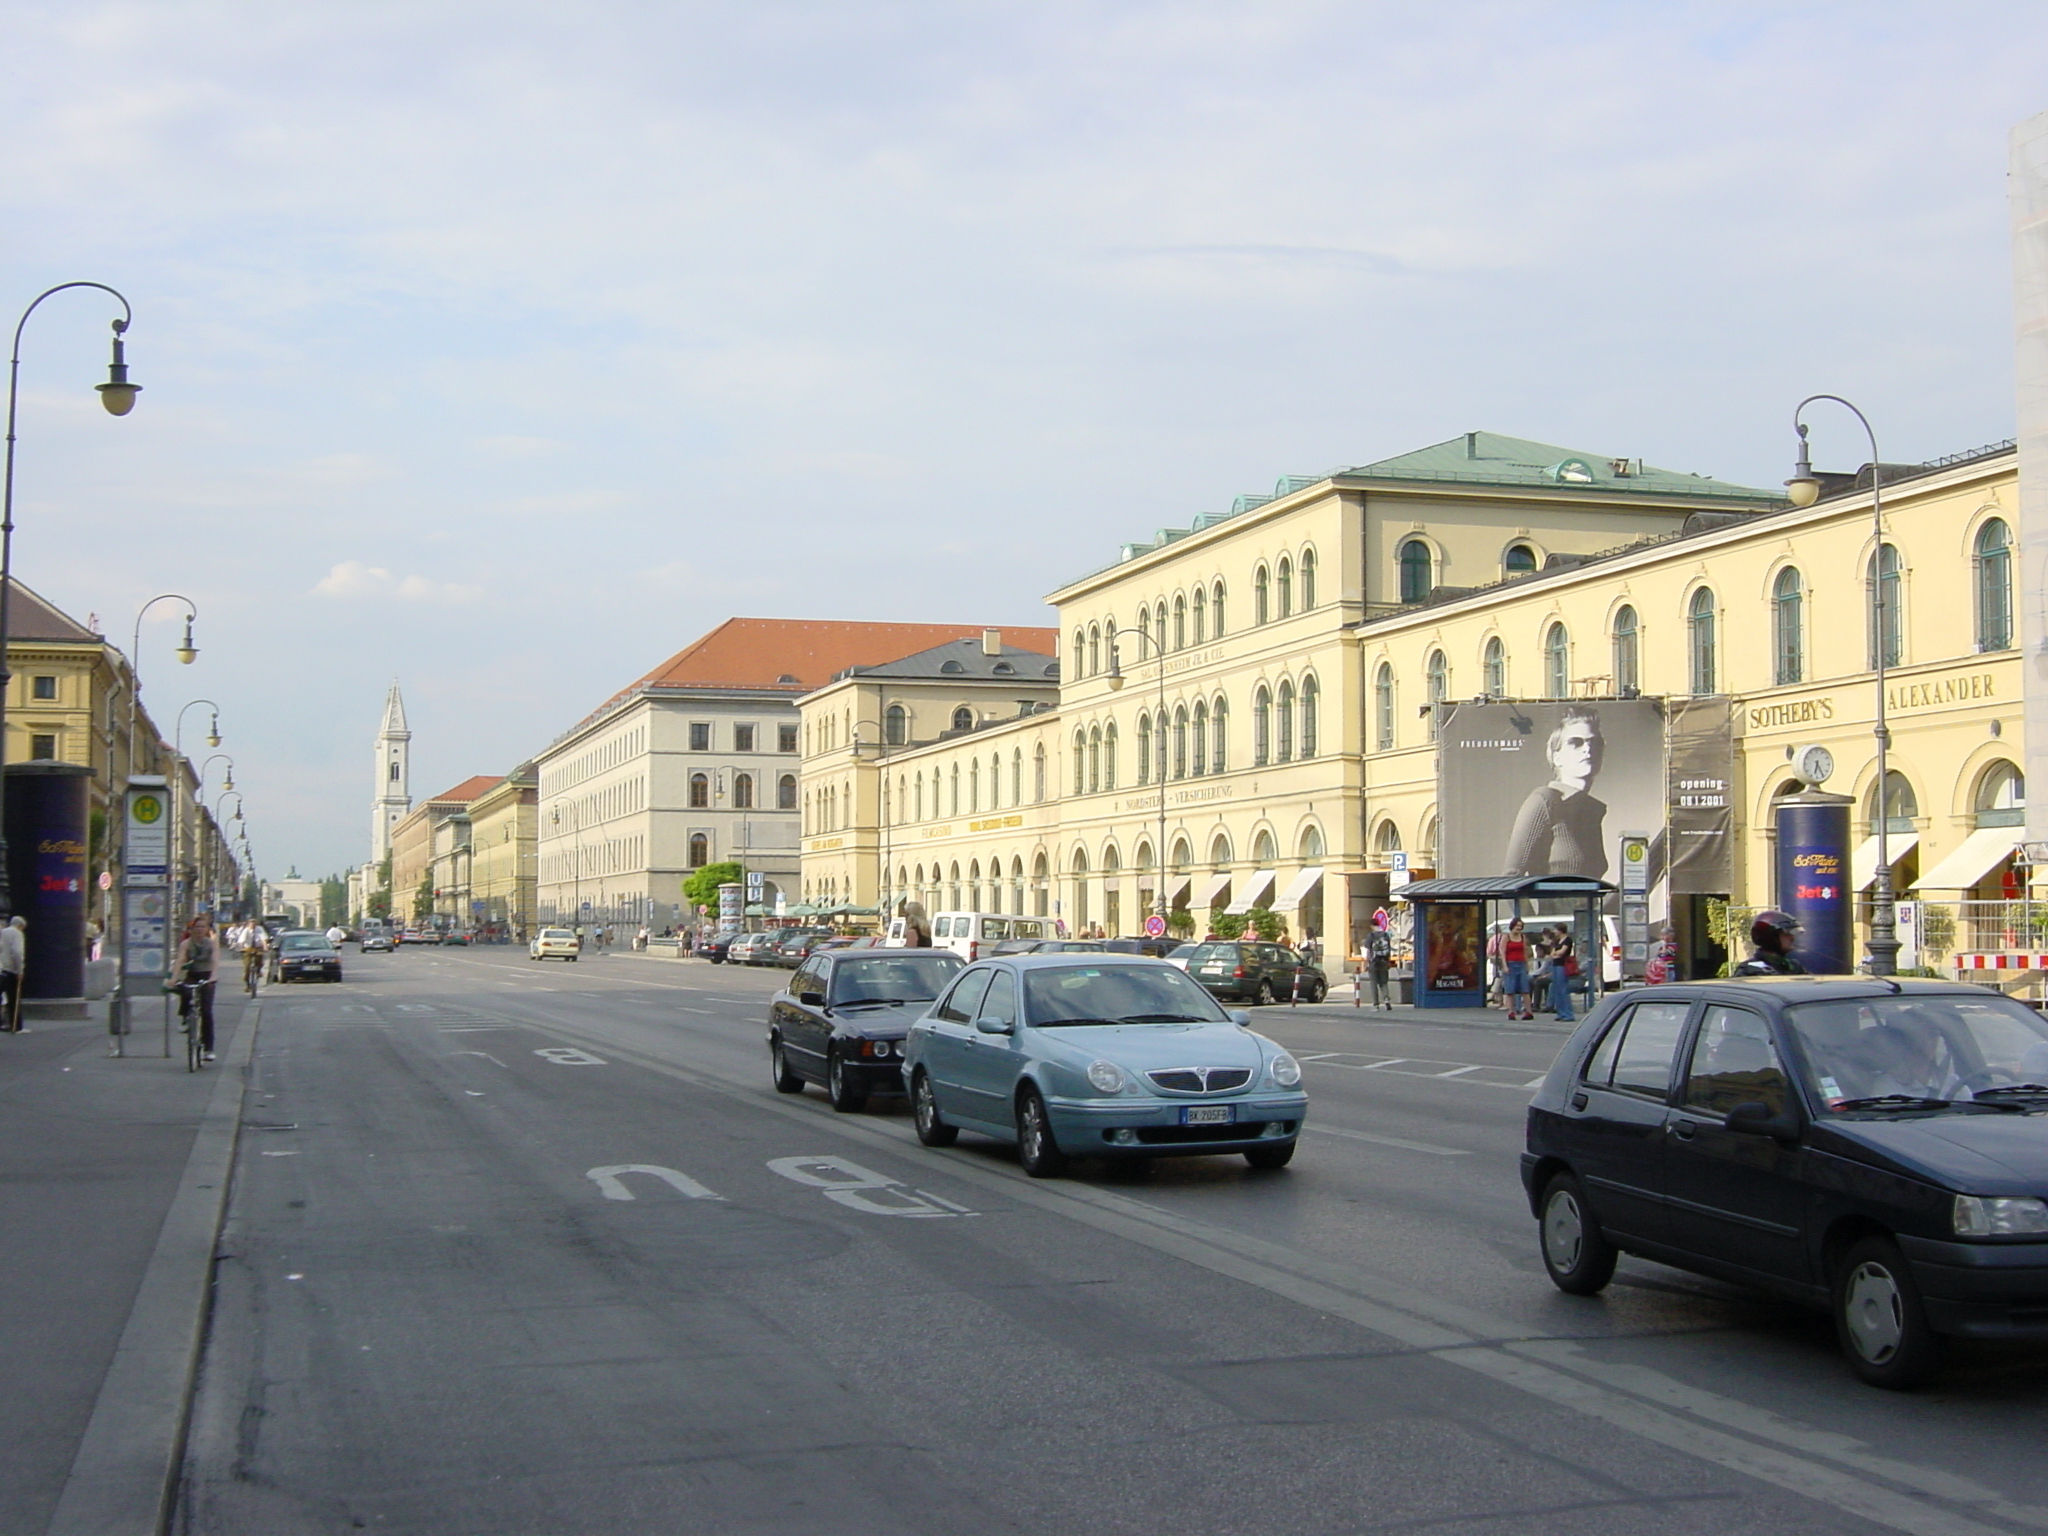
(1453, 919)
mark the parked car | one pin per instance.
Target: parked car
(555, 944)
(1875, 1147)
(375, 941)
(717, 948)
(794, 945)
(1049, 947)
(1256, 973)
(1179, 954)
(1098, 1056)
(302, 953)
(1143, 944)
(841, 1021)
(970, 935)
(751, 948)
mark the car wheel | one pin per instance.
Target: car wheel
(1037, 1149)
(846, 1098)
(1879, 1319)
(786, 1081)
(1315, 991)
(1263, 998)
(1576, 1252)
(924, 1110)
(1271, 1157)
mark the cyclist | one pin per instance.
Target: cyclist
(197, 956)
(255, 948)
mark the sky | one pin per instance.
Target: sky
(503, 349)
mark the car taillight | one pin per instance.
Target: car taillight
(973, 949)
(1238, 974)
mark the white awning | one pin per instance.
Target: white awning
(1981, 852)
(1175, 884)
(1205, 893)
(1254, 887)
(1303, 882)
(1863, 862)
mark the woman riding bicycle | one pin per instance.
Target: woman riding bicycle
(198, 954)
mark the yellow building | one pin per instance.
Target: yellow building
(503, 833)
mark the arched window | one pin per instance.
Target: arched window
(1285, 583)
(1788, 627)
(1438, 672)
(1628, 670)
(700, 850)
(1180, 622)
(1017, 776)
(1493, 668)
(995, 782)
(1109, 756)
(1144, 634)
(1308, 580)
(1080, 652)
(1284, 712)
(963, 719)
(1180, 742)
(1265, 850)
(1144, 749)
(1219, 728)
(920, 795)
(1201, 607)
(1216, 610)
(896, 726)
(1095, 760)
(1881, 578)
(1557, 663)
(1386, 842)
(1219, 850)
(1311, 712)
(700, 791)
(1038, 775)
(1198, 746)
(974, 787)
(1094, 649)
(1415, 574)
(954, 786)
(1311, 844)
(1994, 586)
(1901, 805)
(1519, 560)
(743, 791)
(1159, 619)
(1383, 708)
(2001, 798)
(1262, 728)
(785, 792)
(1080, 763)
(1701, 648)
(1262, 596)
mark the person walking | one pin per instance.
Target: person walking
(13, 961)
(198, 955)
(1564, 972)
(1514, 958)
(1379, 964)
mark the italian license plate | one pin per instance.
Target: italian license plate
(1212, 970)
(1208, 1114)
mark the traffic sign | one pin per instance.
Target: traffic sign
(1155, 926)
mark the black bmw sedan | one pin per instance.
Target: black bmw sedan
(842, 1019)
(1875, 1147)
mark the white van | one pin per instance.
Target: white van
(970, 935)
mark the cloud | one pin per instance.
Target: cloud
(352, 578)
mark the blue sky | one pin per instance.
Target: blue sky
(505, 348)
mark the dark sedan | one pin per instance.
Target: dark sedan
(1253, 972)
(842, 1020)
(300, 955)
(1875, 1147)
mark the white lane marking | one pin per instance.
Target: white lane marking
(1388, 1141)
(568, 1056)
(857, 1188)
(613, 1187)
(487, 1056)
(280, 1154)
(1457, 1072)
(1434, 1071)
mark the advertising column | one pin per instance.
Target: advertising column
(1813, 877)
(46, 835)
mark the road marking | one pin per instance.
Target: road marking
(487, 1056)
(1434, 1071)
(856, 1187)
(613, 1187)
(1388, 1141)
(280, 1154)
(568, 1056)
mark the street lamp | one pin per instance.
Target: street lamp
(178, 790)
(883, 805)
(219, 757)
(118, 396)
(1116, 683)
(555, 815)
(1804, 489)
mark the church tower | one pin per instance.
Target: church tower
(394, 797)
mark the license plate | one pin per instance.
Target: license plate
(1208, 1114)
(1212, 970)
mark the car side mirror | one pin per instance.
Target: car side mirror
(992, 1025)
(1755, 1119)
(811, 999)
(1240, 1018)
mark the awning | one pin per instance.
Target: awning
(1981, 852)
(1304, 881)
(1863, 862)
(1255, 887)
(1205, 893)
(1175, 884)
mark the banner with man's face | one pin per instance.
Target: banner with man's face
(1547, 788)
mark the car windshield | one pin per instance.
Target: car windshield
(1889, 1054)
(907, 979)
(306, 941)
(1227, 952)
(1116, 994)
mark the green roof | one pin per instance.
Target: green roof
(1487, 458)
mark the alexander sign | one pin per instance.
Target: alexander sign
(1899, 696)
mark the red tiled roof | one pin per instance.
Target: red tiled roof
(468, 789)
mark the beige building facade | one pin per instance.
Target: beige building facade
(503, 836)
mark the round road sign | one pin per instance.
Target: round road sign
(1155, 925)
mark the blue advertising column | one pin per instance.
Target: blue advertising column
(47, 876)
(1813, 878)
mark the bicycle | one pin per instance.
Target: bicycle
(252, 967)
(188, 1014)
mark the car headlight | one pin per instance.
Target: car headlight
(1286, 1071)
(2000, 1216)
(1107, 1076)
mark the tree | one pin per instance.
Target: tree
(1180, 922)
(1226, 925)
(423, 898)
(701, 889)
(1267, 923)
(379, 901)
(333, 902)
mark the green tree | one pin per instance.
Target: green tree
(423, 898)
(1266, 923)
(378, 903)
(701, 889)
(1180, 922)
(1226, 925)
(333, 902)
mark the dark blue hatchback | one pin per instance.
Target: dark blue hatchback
(1879, 1148)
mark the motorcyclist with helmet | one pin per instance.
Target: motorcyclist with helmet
(1772, 937)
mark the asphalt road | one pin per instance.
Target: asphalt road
(520, 1247)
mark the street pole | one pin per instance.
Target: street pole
(1116, 683)
(1804, 489)
(883, 804)
(186, 653)
(118, 396)
(180, 893)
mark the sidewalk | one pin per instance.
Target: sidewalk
(106, 1221)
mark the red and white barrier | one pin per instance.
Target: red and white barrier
(2020, 960)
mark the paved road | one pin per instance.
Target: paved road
(534, 1248)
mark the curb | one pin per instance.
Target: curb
(122, 1480)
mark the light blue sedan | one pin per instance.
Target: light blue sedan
(1098, 1056)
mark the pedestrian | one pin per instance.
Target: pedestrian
(1515, 957)
(1379, 955)
(13, 961)
(1564, 971)
(1772, 937)
(197, 957)
(1663, 964)
(1496, 968)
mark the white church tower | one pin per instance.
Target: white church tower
(394, 796)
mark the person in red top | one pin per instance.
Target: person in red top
(1514, 955)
